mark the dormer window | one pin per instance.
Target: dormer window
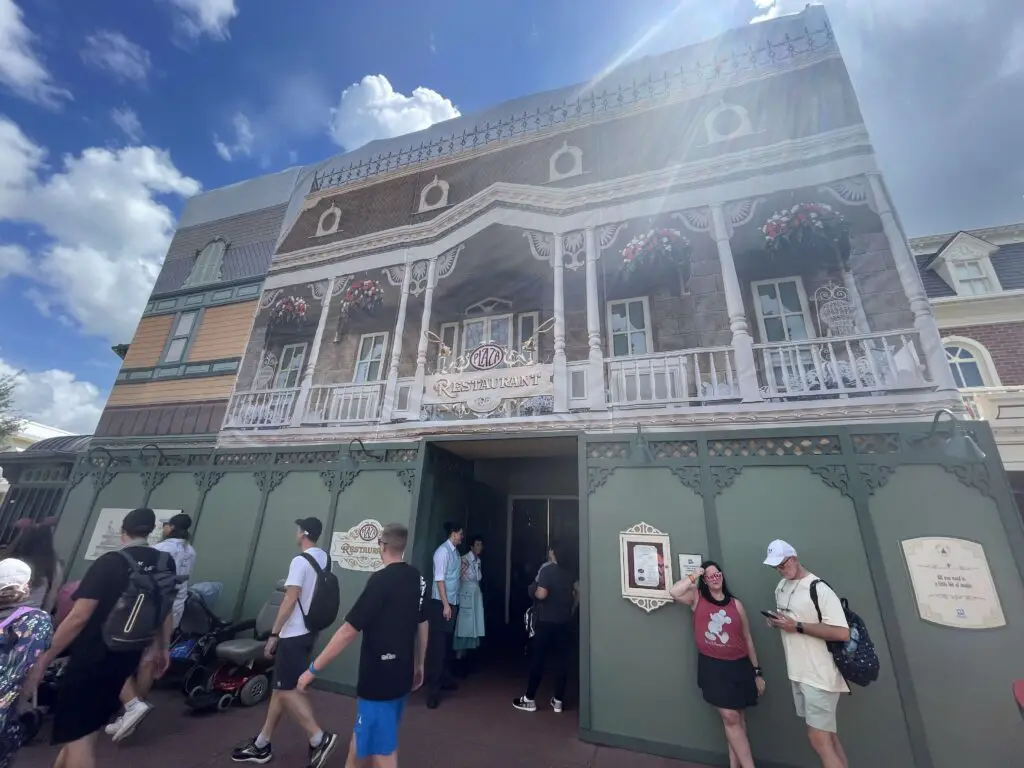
(971, 278)
(208, 264)
(965, 264)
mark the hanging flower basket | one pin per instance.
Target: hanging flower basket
(658, 246)
(364, 296)
(288, 312)
(807, 229)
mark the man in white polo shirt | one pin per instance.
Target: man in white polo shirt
(817, 683)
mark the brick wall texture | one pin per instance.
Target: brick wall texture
(1004, 341)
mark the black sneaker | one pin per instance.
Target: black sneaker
(318, 755)
(250, 753)
(524, 704)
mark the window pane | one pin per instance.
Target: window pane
(501, 330)
(175, 350)
(970, 375)
(377, 350)
(373, 371)
(773, 329)
(526, 328)
(361, 369)
(796, 328)
(953, 353)
(365, 348)
(185, 323)
(790, 297)
(618, 318)
(448, 336)
(975, 287)
(638, 343)
(637, 321)
(766, 298)
(969, 269)
(620, 345)
(474, 335)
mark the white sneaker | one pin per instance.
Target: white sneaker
(556, 705)
(130, 720)
(114, 727)
(524, 704)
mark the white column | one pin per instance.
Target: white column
(595, 355)
(421, 349)
(396, 347)
(924, 321)
(742, 343)
(561, 370)
(299, 411)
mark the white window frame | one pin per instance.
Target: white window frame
(986, 366)
(535, 316)
(489, 320)
(455, 338)
(186, 337)
(302, 347)
(382, 373)
(987, 276)
(805, 307)
(648, 331)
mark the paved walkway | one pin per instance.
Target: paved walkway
(475, 728)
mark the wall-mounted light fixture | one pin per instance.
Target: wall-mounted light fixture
(161, 459)
(358, 454)
(959, 444)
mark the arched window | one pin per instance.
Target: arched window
(970, 363)
(208, 264)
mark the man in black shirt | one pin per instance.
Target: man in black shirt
(390, 615)
(90, 688)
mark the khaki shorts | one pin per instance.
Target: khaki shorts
(816, 707)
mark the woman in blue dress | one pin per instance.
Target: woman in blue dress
(469, 626)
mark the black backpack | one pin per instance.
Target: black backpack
(139, 613)
(326, 600)
(855, 659)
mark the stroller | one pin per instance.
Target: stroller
(242, 673)
(198, 633)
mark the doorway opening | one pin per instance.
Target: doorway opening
(518, 496)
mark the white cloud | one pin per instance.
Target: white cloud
(116, 54)
(770, 9)
(55, 398)
(372, 109)
(127, 120)
(108, 229)
(205, 17)
(13, 261)
(21, 69)
(242, 145)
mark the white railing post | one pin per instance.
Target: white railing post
(299, 407)
(595, 355)
(416, 399)
(561, 369)
(742, 343)
(924, 321)
(388, 401)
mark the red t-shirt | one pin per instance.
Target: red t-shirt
(718, 630)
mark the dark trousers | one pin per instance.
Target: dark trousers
(439, 647)
(551, 643)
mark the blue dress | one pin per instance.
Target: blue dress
(469, 626)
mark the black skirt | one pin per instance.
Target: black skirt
(727, 684)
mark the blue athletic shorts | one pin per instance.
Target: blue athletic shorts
(377, 724)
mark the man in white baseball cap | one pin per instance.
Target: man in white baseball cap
(817, 683)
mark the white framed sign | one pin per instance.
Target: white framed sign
(952, 583)
(106, 535)
(689, 564)
(358, 548)
(645, 566)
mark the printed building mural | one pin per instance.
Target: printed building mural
(679, 307)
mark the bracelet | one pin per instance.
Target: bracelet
(313, 670)
(693, 578)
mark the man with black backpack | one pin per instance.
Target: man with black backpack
(811, 616)
(311, 604)
(122, 610)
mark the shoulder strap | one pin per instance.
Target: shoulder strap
(814, 596)
(132, 562)
(18, 613)
(312, 561)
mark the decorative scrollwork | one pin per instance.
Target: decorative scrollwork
(723, 477)
(835, 476)
(152, 479)
(306, 457)
(816, 445)
(598, 476)
(606, 235)
(206, 480)
(101, 479)
(648, 604)
(675, 449)
(337, 480)
(79, 473)
(973, 476)
(876, 442)
(616, 450)
(875, 476)
(267, 481)
(408, 478)
(690, 477)
(401, 455)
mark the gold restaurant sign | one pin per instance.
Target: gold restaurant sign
(357, 549)
(952, 583)
(476, 381)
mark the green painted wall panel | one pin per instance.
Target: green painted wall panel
(73, 518)
(125, 491)
(177, 491)
(791, 503)
(378, 495)
(962, 677)
(643, 668)
(300, 494)
(224, 535)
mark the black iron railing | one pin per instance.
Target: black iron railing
(586, 106)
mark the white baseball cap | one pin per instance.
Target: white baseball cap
(778, 552)
(14, 573)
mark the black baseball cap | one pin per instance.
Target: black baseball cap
(139, 522)
(310, 527)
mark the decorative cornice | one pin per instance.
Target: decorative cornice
(206, 480)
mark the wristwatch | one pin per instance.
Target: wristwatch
(757, 672)
(799, 628)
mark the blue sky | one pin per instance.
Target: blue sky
(110, 114)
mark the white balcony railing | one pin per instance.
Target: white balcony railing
(263, 408)
(343, 403)
(692, 375)
(868, 364)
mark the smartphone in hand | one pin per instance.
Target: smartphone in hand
(770, 615)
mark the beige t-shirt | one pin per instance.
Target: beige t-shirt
(807, 658)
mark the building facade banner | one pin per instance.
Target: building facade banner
(486, 377)
(358, 548)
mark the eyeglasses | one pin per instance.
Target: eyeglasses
(783, 564)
